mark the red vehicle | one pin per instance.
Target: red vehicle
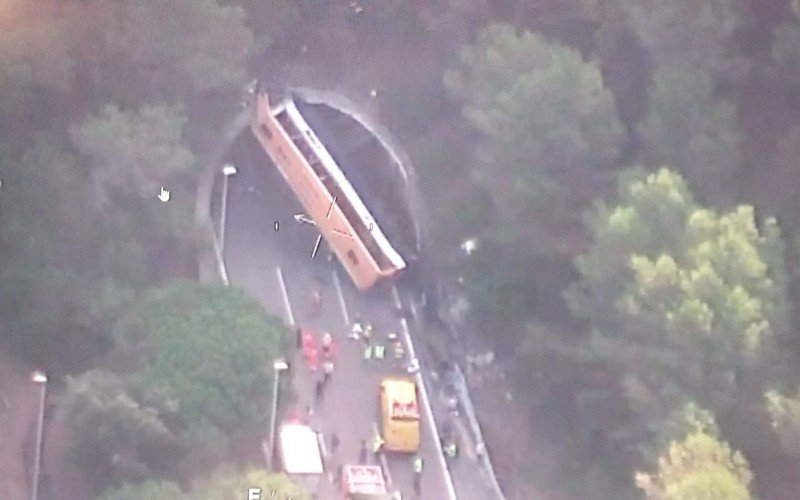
(364, 482)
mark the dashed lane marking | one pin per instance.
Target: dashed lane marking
(285, 293)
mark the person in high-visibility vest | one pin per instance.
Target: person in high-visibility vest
(399, 351)
(380, 351)
(377, 445)
(451, 449)
(417, 464)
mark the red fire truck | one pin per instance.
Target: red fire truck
(364, 482)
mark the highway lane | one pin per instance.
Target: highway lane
(254, 250)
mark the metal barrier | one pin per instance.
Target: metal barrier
(469, 410)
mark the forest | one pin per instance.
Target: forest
(628, 167)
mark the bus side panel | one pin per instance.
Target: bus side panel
(313, 196)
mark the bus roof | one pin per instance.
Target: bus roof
(333, 169)
(300, 449)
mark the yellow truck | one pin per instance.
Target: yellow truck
(399, 414)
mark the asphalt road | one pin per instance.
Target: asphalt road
(254, 254)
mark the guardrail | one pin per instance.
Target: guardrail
(469, 411)
(460, 384)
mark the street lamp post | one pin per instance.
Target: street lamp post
(227, 171)
(40, 379)
(278, 366)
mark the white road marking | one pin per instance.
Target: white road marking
(423, 392)
(396, 297)
(448, 480)
(342, 303)
(382, 458)
(413, 309)
(407, 334)
(285, 296)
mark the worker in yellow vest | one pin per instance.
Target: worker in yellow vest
(377, 446)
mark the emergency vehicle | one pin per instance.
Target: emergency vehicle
(364, 482)
(300, 454)
(400, 418)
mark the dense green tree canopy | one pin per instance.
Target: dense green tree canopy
(211, 347)
(169, 49)
(682, 299)
(60, 282)
(134, 152)
(115, 435)
(698, 467)
(543, 114)
(224, 483)
(785, 413)
(228, 484)
(696, 35)
(148, 490)
(688, 127)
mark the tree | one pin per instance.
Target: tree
(699, 466)
(694, 35)
(688, 127)
(167, 50)
(131, 154)
(210, 347)
(785, 413)
(148, 490)
(228, 484)
(781, 181)
(115, 435)
(60, 285)
(546, 122)
(134, 152)
(36, 47)
(685, 302)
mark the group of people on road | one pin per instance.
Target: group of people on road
(307, 343)
(374, 347)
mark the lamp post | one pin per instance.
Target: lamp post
(40, 379)
(227, 171)
(278, 366)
